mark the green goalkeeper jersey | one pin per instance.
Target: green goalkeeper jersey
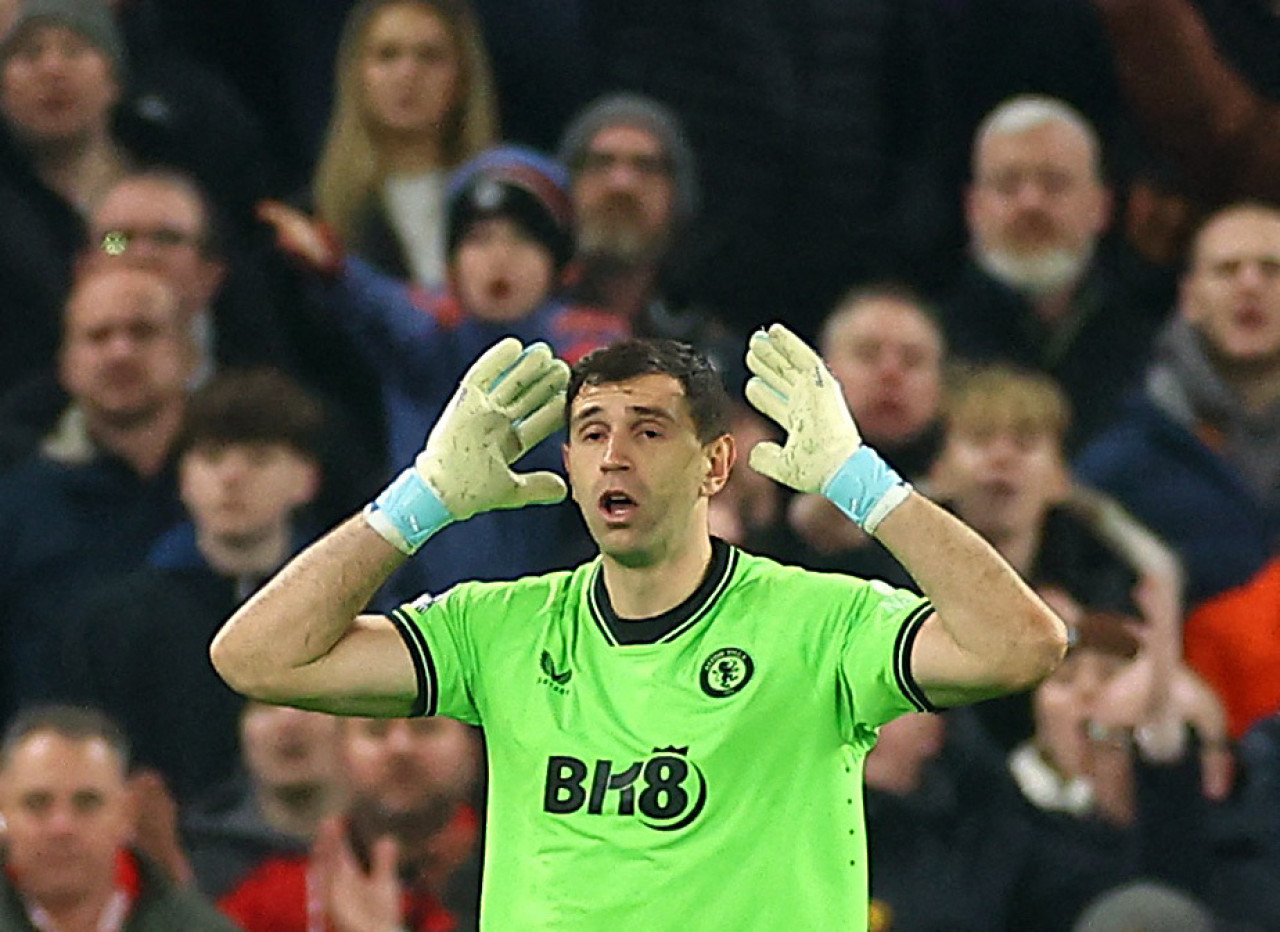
(701, 770)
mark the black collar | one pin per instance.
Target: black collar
(670, 624)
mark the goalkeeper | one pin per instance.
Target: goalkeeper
(675, 729)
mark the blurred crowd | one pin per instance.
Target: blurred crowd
(247, 249)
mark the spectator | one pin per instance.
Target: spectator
(61, 73)
(290, 781)
(1111, 783)
(509, 236)
(246, 465)
(102, 489)
(634, 186)
(68, 823)
(160, 219)
(885, 346)
(388, 861)
(1036, 291)
(1002, 469)
(414, 101)
(1195, 454)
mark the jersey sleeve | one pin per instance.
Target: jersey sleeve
(437, 632)
(880, 628)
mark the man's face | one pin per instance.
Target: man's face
(623, 195)
(125, 354)
(56, 88)
(287, 748)
(500, 272)
(409, 765)
(67, 814)
(1232, 291)
(150, 224)
(246, 492)
(1066, 701)
(410, 71)
(1036, 207)
(636, 467)
(1001, 477)
(887, 357)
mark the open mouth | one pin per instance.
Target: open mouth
(617, 507)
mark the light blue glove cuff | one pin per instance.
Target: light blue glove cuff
(407, 512)
(866, 489)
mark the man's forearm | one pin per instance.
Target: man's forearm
(990, 613)
(300, 614)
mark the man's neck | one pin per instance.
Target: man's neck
(1055, 308)
(648, 591)
(297, 810)
(145, 445)
(84, 914)
(258, 554)
(623, 290)
(1258, 390)
(81, 172)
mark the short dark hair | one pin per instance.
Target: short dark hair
(74, 722)
(253, 406)
(709, 403)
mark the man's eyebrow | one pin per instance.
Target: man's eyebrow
(648, 411)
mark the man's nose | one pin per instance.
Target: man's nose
(616, 452)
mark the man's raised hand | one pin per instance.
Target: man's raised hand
(792, 385)
(511, 398)
(824, 452)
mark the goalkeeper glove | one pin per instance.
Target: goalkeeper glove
(510, 399)
(823, 452)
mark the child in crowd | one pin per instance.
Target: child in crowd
(509, 236)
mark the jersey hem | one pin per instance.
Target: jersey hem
(424, 669)
(902, 658)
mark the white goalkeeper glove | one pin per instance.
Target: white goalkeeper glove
(824, 452)
(511, 398)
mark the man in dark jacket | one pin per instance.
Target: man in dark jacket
(1038, 291)
(68, 821)
(247, 463)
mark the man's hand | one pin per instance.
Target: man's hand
(352, 899)
(302, 238)
(792, 385)
(510, 399)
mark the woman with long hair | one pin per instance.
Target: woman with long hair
(414, 99)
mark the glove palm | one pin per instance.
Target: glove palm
(510, 400)
(793, 386)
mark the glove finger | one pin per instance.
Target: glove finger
(801, 356)
(520, 375)
(766, 459)
(768, 401)
(550, 382)
(537, 488)
(492, 363)
(764, 359)
(796, 351)
(541, 424)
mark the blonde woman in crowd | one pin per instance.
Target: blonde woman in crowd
(414, 100)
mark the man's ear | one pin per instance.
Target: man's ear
(720, 454)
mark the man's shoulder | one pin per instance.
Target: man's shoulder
(524, 593)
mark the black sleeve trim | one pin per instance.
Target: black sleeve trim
(424, 669)
(902, 658)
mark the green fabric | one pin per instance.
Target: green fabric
(710, 780)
